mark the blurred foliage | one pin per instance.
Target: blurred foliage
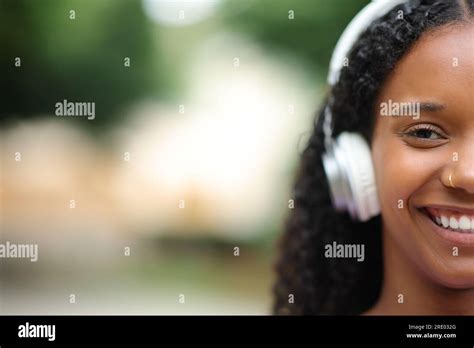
(310, 36)
(77, 60)
(83, 59)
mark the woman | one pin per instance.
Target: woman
(418, 254)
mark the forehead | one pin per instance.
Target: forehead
(439, 66)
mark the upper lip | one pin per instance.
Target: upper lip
(461, 210)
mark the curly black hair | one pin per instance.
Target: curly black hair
(307, 282)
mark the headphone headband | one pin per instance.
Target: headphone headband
(371, 12)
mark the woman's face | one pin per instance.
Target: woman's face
(418, 158)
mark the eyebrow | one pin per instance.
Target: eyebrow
(431, 107)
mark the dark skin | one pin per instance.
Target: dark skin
(414, 161)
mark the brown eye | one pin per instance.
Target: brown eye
(425, 134)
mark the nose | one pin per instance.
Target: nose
(460, 175)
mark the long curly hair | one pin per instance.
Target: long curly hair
(307, 282)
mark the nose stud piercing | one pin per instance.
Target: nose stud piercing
(450, 178)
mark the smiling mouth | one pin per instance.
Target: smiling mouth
(461, 221)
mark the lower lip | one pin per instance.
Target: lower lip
(452, 237)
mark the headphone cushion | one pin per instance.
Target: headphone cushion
(353, 150)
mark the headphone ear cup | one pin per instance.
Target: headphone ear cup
(349, 169)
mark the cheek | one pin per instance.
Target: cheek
(397, 177)
(401, 172)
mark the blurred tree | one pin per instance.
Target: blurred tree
(309, 29)
(78, 59)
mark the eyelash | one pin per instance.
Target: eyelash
(411, 132)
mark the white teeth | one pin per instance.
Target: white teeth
(453, 223)
(464, 223)
(444, 221)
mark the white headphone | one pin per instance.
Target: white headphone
(347, 160)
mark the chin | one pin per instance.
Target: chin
(456, 282)
(446, 270)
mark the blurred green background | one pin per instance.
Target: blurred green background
(191, 154)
